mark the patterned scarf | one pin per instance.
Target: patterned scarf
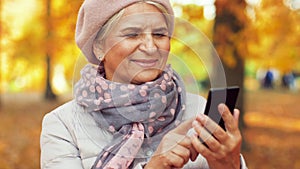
(130, 112)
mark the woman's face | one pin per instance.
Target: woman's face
(137, 48)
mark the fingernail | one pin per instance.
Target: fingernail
(195, 123)
(201, 117)
(221, 108)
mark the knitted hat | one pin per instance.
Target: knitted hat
(93, 14)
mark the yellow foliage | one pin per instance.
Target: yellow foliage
(28, 34)
(32, 34)
(275, 35)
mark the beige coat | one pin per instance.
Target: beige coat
(71, 139)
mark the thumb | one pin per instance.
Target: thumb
(184, 127)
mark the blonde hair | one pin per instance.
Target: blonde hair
(107, 27)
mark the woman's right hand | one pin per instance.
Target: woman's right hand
(174, 150)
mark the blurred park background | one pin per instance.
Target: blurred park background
(258, 42)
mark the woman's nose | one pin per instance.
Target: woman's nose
(148, 44)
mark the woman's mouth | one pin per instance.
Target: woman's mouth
(145, 63)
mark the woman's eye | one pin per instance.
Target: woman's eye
(159, 34)
(132, 35)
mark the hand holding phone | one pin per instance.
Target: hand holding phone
(216, 96)
(228, 96)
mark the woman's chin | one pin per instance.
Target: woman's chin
(146, 76)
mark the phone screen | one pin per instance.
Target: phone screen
(216, 96)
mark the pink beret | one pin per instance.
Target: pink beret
(93, 14)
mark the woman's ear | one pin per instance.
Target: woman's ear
(97, 49)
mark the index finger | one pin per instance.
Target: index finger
(231, 122)
(184, 127)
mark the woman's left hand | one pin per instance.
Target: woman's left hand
(223, 148)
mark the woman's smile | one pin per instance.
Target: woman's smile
(145, 63)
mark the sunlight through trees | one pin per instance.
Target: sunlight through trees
(270, 38)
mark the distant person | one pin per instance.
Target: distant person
(131, 109)
(288, 81)
(268, 81)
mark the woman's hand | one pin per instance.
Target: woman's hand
(175, 149)
(223, 148)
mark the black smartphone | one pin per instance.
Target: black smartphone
(227, 95)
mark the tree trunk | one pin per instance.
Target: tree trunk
(235, 76)
(49, 94)
(228, 24)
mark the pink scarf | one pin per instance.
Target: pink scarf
(130, 112)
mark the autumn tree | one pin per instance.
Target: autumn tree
(276, 33)
(23, 48)
(60, 25)
(49, 94)
(45, 40)
(269, 35)
(191, 44)
(229, 41)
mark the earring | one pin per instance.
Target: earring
(100, 57)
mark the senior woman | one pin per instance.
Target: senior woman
(130, 108)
